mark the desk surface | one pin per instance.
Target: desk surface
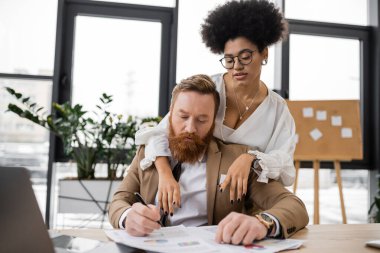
(318, 238)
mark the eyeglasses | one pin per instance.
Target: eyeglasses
(244, 58)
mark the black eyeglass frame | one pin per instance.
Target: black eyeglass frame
(238, 56)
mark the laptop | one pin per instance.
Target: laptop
(23, 228)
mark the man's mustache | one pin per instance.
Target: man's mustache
(188, 135)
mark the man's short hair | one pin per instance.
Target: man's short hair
(199, 83)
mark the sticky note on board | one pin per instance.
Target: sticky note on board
(315, 134)
(346, 132)
(336, 120)
(307, 112)
(321, 115)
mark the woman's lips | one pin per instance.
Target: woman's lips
(240, 76)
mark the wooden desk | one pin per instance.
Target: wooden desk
(318, 238)
(338, 238)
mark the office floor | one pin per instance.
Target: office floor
(355, 190)
(355, 193)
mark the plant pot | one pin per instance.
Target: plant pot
(112, 174)
(85, 158)
(85, 196)
(117, 160)
(373, 212)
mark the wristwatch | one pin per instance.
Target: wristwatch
(255, 164)
(267, 221)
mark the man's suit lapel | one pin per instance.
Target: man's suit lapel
(212, 171)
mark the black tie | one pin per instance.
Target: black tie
(177, 170)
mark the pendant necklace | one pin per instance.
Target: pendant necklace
(246, 107)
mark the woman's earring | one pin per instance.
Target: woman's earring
(264, 62)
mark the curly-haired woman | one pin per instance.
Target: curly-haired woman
(249, 112)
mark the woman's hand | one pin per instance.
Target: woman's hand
(237, 177)
(168, 194)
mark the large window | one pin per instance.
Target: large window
(33, 22)
(27, 35)
(323, 68)
(327, 58)
(107, 54)
(353, 12)
(330, 61)
(112, 56)
(124, 50)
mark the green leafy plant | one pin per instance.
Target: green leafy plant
(374, 209)
(87, 141)
(116, 137)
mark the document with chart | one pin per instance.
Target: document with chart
(195, 239)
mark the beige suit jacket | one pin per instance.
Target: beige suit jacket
(272, 197)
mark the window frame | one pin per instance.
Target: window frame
(361, 33)
(67, 10)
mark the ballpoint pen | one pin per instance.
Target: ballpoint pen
(140, 198)
(142, 201)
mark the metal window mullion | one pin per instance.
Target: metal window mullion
(360, 33)
(25, 77)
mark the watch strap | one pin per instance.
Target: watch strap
(268, 224)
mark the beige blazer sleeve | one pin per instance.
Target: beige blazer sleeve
(124, 195)
(276, 200)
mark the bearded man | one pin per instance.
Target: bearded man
(199, 163)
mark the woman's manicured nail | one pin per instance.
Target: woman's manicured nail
(171, 214)
(232, 202)
(166, 212)
(238, 200)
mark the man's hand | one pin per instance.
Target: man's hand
(237, 228)
(142, 220)
(237, 176)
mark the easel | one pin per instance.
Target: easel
(330, 146)
(316, 166)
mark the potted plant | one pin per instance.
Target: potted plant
(88, 138)
(115, 141)
(109, 139)
(374, 210)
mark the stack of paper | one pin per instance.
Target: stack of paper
(195, 239)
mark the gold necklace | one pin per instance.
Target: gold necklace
(246, 107)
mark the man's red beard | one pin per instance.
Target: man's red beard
(188, 147)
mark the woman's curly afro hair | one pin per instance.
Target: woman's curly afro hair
(257, 20)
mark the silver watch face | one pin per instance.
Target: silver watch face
(256, 164)
(266, 217)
